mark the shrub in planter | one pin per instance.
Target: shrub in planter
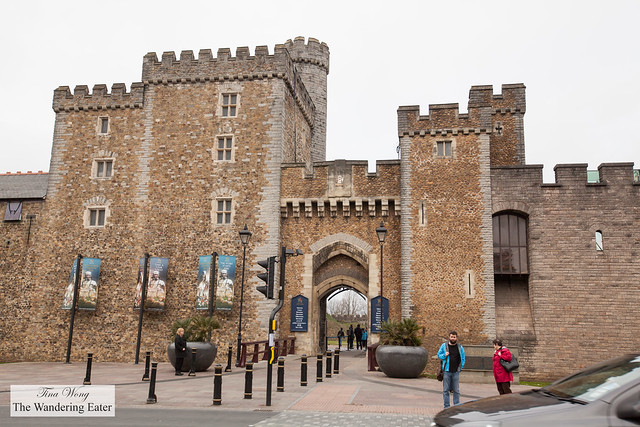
(197, 332)
(400, 354)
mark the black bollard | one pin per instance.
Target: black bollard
(217, 385)
(192, 370)
(87, 377)
(147, 363)
(303, 371)
(280, 386)
(336, 361)
(329, 358)
(228, 368)
(248, 381)
(319, 368)
(152, 384)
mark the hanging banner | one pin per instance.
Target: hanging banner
(88, 293)
(138, 298)
(379, 313)
(156, 287)
(202, 288)
(299, 314)
(224, 284)
(67, 302)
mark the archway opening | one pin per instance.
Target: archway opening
(342, 307)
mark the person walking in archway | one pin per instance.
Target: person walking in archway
(358, 333)
(350, 338)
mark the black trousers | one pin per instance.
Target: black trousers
(504, 388)
(179, 362)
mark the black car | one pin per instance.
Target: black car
(606, 394)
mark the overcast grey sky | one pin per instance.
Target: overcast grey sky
(579, 61)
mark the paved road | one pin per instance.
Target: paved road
(353, 397)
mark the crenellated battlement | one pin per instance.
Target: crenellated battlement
(99, 98)
(511, 100)
(313, 52)
(447, 119)
(243, 66)
(570, 175)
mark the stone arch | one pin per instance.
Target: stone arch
(331, 270)
(519, 207)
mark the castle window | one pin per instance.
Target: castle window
(443, 148)
(423, 213)
(229, 104)
(224, 149)
(13, 212)
(223, 211)
(97, 217)
(510, 254)
(599, 242)
(103, 125)
(103, 168)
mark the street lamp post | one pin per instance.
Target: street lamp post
(244, 238)
(382, 234)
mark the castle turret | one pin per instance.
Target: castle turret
(312, 65)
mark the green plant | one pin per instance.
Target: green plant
(404, 332)
(196, 328)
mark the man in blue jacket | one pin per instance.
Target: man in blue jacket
(452, 355)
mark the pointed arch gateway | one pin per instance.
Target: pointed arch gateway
(339, 261)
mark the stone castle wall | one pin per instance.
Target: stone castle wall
(579, 298)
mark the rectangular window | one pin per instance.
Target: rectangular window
(96, 217)
(229, 104)
(13, 212)
(104, 124)
(225, 146)
(223, 212)
(104, 168)
(444, 148)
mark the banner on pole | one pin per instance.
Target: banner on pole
(157, 285)
(224, 285)
(202, 287)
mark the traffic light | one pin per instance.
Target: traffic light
(268, 276)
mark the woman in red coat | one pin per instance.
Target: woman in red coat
(503, 378)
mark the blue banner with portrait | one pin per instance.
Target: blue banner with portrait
(204, 280)
(67, 302)
(90, 277)
(157, 284)
(224, 284)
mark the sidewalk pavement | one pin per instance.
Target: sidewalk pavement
(353, 390)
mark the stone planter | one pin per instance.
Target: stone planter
(205, 355)
(398, 361)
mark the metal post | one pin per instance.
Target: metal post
(283, 261)
(87, 377)
(152, 384)
(73, 306)
(329, 357)
(214, 257)
(248, 381)
(244, 256)
(192, 370)
(319, 368)
(280, 386)
(228, 368)
(217, 385)
(303, 371)
(147, 362)
(144, 294)
(336, 364)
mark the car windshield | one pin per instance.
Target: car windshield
(594, 382)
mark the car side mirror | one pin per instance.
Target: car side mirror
(629, 408)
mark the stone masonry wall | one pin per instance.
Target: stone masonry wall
(580, 297)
